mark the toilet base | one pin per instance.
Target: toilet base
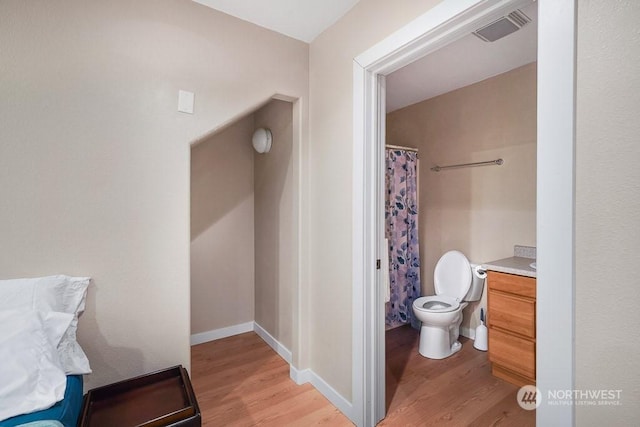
(438, 343)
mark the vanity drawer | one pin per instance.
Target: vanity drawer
(518, 285)
(512, 313)
(514, 353)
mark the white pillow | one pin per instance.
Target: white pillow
(31, 378)
(53, 293)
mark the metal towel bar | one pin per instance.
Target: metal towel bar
(468, 165)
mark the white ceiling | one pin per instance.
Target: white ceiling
(464, 62)
(301, 19)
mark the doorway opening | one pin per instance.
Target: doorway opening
(446, 23)
(469, 102)
(244, 237)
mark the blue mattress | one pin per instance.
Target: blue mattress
(66, 411)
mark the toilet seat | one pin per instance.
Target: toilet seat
(436, 304)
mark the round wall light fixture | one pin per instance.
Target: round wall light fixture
(262, 140)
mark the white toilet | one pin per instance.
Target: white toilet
(441, 314)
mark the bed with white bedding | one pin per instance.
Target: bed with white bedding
(41, 362)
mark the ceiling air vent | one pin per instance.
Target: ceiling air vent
(503, 26)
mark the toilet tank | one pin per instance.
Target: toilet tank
(478, 275)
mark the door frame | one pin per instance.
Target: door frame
(447, 22)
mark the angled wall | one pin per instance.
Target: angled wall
(222, 233)
(94, 156)
(243, 225)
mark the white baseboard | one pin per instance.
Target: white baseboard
(308, 376)
(217, 334)
(299, 376)
(283, 351)
(242, 328)
(468, 333)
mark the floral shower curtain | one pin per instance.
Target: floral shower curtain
(401, 217)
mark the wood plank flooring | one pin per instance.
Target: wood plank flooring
(456, 391)
(240, 381)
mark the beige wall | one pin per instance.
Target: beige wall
(482, 211)
(94, 157)
(330, 183)
(94, 167)
(608, 208)
(242, 226)
(222, 233)
(606, 199)
(275, 224)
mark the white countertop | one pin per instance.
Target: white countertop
(512, 265)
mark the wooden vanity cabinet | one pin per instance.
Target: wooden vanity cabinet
(511, 319)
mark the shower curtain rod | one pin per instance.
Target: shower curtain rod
(400, 147)
(468, 165)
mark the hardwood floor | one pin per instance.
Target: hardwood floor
(240, 381)
(456, 391)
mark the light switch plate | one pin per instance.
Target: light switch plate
(185, 101)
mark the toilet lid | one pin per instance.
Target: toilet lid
(452, 276)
